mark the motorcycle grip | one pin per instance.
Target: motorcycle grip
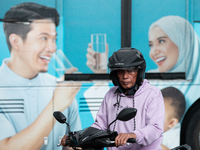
(131, 140)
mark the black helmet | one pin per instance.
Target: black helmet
(127, 58)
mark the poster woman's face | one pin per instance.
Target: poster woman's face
(162, 50)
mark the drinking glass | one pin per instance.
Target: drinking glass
(60, 62)
(98, 43)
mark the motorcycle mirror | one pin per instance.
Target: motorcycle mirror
(124, 115)
(59, 117)
(127, 114)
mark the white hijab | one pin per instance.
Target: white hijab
(181, 32)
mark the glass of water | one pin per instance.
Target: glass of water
(98, 43)
(60, 62)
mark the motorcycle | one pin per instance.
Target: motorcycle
(94, 139)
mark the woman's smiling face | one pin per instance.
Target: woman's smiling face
(162, 50)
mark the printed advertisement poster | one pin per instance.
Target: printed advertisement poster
(78, 37)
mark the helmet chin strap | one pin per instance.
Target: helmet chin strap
(129, 91)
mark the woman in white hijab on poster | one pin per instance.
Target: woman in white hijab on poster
(182, 34)
(175, 47)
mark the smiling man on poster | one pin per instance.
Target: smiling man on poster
(28, 95)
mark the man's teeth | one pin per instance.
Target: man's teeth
(160, 59)
(45, 57)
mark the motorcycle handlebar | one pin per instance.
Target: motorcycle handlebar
(109, 143)
(106, 142)
(131, 140)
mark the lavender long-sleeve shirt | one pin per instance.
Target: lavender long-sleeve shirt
(149, 119)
